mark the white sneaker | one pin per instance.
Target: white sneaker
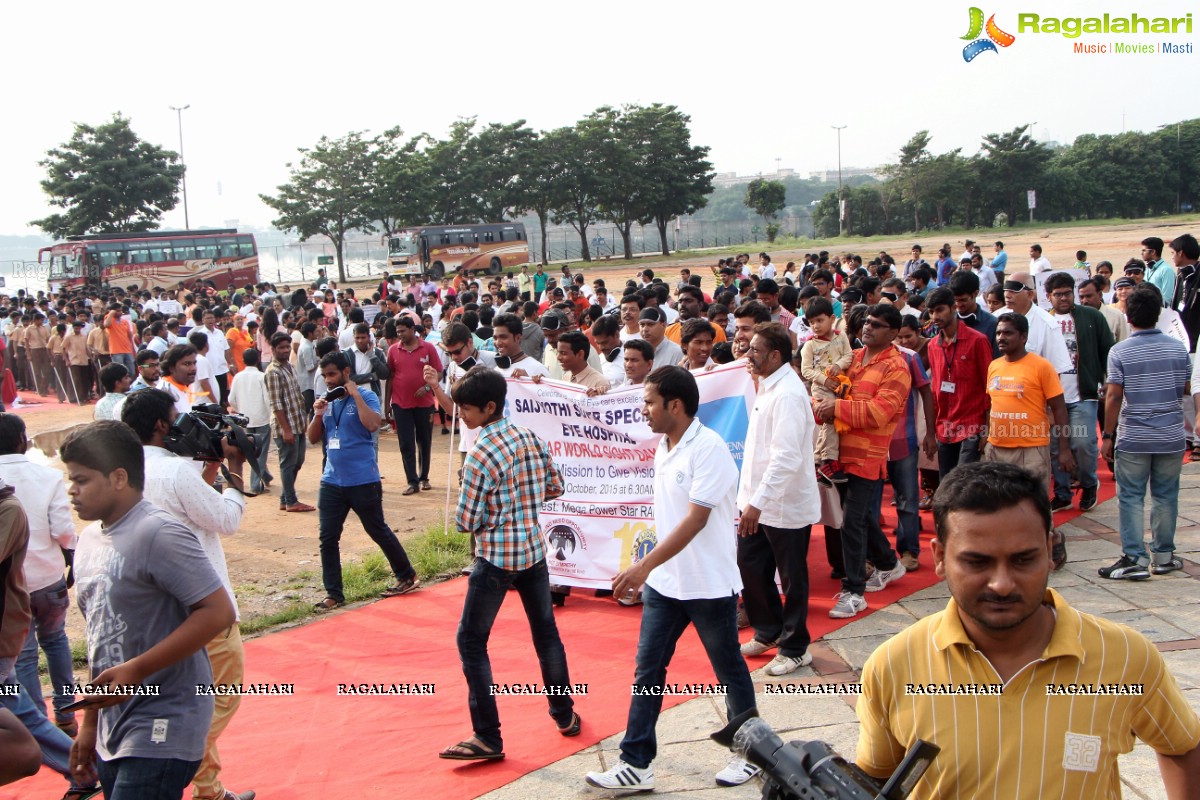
(624, 776)
(784, 665)
(736, 772)
(847, 605)
(756, 648)
(883, 577)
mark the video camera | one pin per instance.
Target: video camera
(199, 434)
(812, 770)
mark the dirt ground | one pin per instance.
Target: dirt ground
(273, 559)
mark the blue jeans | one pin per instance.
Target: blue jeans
(951, 454)
(48, 628)
(334, 504)
(1082, 420)
(125, 360)
(55, 745)
(136, 778)
(261, 435)
(862, 538)
(1133, 472)
(664, 619)
(486, 590)
(291, 459)
(904, 477)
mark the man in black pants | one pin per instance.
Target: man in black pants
(412, 401)
(779, 502)
(350, 481)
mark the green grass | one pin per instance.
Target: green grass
(258, 623)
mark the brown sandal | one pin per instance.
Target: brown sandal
(328, 604)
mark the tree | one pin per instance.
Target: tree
(1013, 163)
(495, 156)
(766, 198)
(328, 193)
(911, 174)
(108, 180)
(577, 197)
(676, 175)
(401, 186)
(539, 184)
(620, 151)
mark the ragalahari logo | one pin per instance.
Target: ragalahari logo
(995, 36)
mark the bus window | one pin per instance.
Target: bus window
(139, 253)
(227, 246)
(206, 248)
(245, 246)
(160, 251)
(183, 249)
(111, 254)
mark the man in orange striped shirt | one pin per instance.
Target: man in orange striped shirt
(1025, 696)
(879, 385)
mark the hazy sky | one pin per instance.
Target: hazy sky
(761, 80)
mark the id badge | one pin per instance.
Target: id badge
(335, 443)
(947, 387)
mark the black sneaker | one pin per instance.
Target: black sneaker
(1126, 569)
(1170, 566)
(1060, 505)
(1087, 499)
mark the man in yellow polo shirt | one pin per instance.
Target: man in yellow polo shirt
(1025, 696)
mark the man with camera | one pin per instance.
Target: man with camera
(173, 484)
(345, 420)
(1025, 695)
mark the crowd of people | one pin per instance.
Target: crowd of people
(981, 390)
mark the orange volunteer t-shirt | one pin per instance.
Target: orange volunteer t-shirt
(120, 337)
(1019, 391)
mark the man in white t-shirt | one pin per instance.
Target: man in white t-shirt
(766, 268)
(690, 577)
(1045, 335)
(1037, 261)
(219, 356)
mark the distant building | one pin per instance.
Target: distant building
(725, 179)
(831, 175)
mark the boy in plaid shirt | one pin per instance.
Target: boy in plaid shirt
(506, 478)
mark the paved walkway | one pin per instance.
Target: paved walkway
(1166, 609)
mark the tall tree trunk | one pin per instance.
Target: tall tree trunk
(339, 245)
(626, 229)
(545, 249)
(585, 252)
(662, 234)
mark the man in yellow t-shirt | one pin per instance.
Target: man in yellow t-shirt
(1025, 696)
(1021, 385)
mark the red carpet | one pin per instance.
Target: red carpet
(321, 745)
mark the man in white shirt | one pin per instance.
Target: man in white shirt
(766, 268)
(779, 502)
(219, 356)
(174, 485)
(511, 360)
(606, 332)
(1045, 334)
(43, 494)
(248, 396)
(1037, 261)
(168, 305)
(689, 578)
(205, 388)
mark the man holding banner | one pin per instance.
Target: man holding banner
(779, 503)
(690, 577)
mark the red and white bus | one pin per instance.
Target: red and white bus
(438, 249)
(220, 259)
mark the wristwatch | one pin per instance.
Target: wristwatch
(1108, 436)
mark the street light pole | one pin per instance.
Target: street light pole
(179, 115)
(841, 201)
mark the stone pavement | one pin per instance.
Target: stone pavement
(1166, 609)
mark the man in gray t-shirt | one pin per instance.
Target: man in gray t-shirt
(135, 582)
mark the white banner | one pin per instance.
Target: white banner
(605, 519)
